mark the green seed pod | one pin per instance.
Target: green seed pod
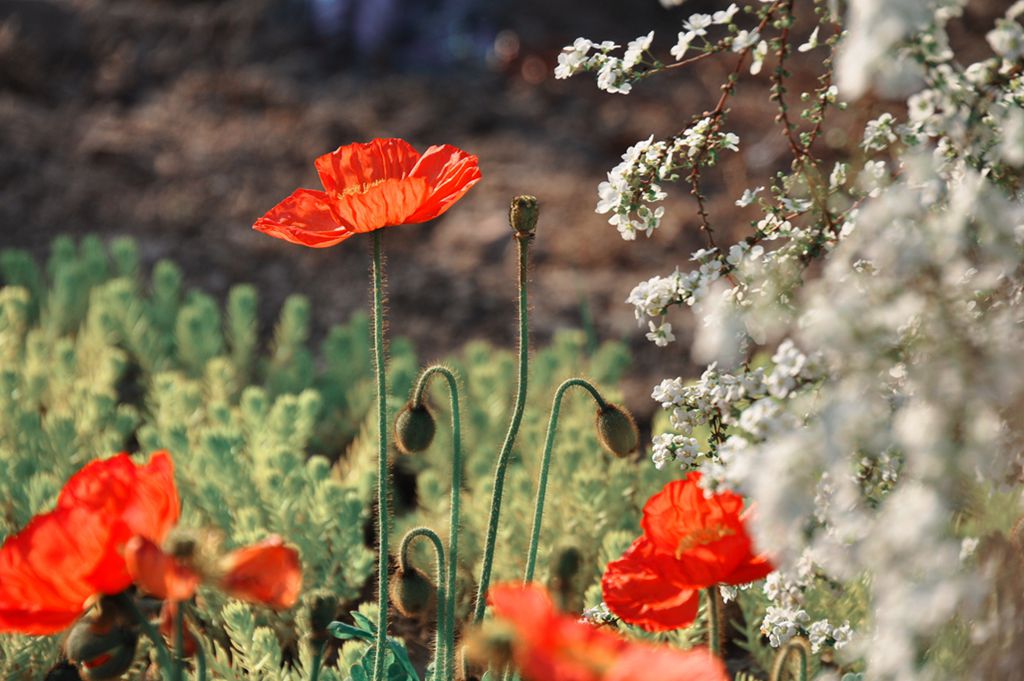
(323, 605)
(617, 430)
(523, 213)
(412, 592)
(568, 561)
(102, 653)
(414, 429)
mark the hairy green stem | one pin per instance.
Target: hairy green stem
(802, 648)
(441, 647)
(163, 656)
(542, 482)
(448, 668)
(179, 642)
(318, 657)
(523, 248)
(714, 628)
(201, 663)
(380, 664)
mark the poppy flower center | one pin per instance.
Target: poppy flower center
(702, 536)
(360, 188)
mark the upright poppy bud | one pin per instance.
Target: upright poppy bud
(617, 430)
(414, 429)
(102, 651)
(566, 565)
(412, 592)
(523, 214)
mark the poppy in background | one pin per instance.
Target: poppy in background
(691, 541)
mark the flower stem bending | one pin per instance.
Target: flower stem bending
(441, 652)
(542, 482)
(798, 645)
(380, 664)
(522, 246)
(453, 522)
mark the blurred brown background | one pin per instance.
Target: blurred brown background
(179, 123)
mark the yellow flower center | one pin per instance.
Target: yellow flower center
(703, 536)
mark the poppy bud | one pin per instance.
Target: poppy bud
(523, 213)
(617, 430)
(412, 592)
(567, 563)
(103, 653)
(322, 607)
(414, 429)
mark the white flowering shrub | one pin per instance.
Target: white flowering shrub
(881, 442)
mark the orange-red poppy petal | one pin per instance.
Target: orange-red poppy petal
(643, 588)
(382, 203)
(353, 166)
(269, 573)
(757, 567)
(45, 571)
(644, 662)
(305, 218)
(158, 574)
(449, 173)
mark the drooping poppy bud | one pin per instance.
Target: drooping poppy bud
(617, 430)
(567, 563)
(102, 652)
(412, 592)
(414, 429)
(565, 566)
(323, 605)
(523, 214)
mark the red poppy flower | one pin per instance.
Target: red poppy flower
(368, 186)
(691, 541)
(549, 646)
(62, 559)
(267, 573)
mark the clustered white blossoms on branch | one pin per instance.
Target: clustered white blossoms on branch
(896, 278)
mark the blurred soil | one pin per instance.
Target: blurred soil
(179, 123)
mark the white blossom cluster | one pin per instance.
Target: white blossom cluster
(897, 284)
(636, 181)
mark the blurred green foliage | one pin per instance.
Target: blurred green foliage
(273, 437)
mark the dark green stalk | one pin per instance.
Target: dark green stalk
(453, 521)
(542, 482)
(714, 628)
(179, 642)
(383, 487)
(163, 656)
(318, 657)
(441, 651)
(523, 247)
(201, 663)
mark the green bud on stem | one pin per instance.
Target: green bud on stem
(412, 592)
(617, 430)
(414, 429)
(523, 213)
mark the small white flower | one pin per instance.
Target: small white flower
(635, 50)
(744, 39)
(725, 16)
(811, 43)
(697, 23)
(748, 196)
(682, 45)
(759, 54)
